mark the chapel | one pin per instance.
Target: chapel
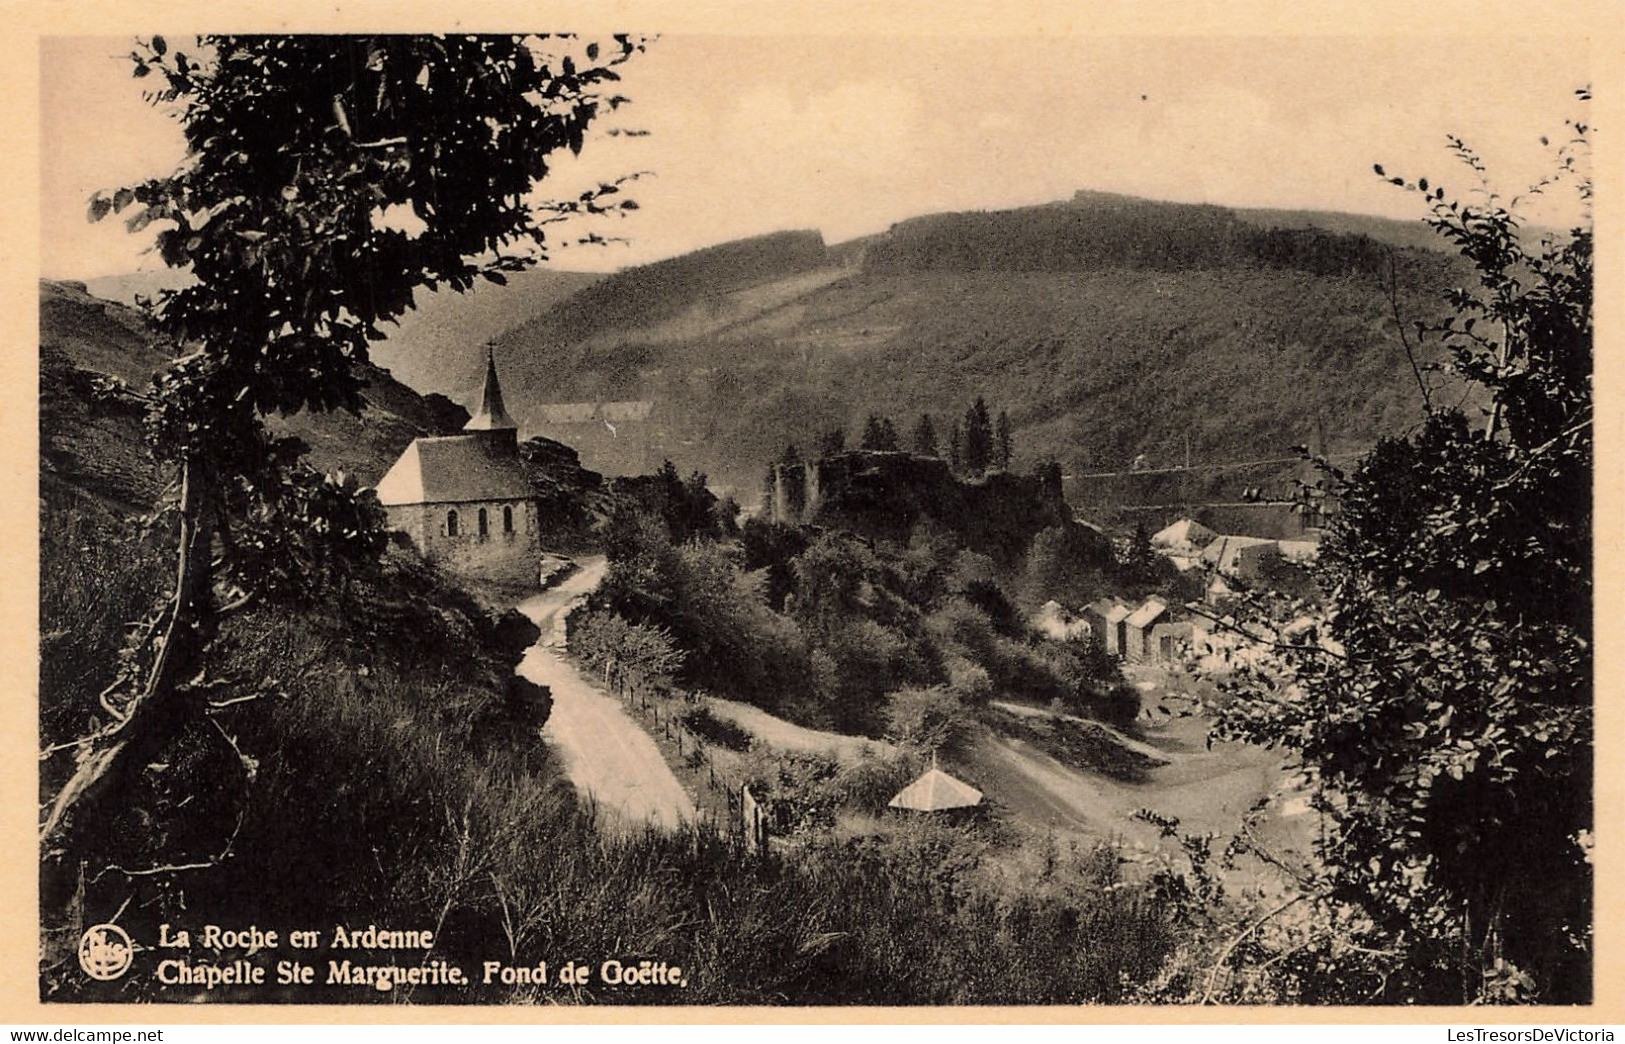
(465, 500)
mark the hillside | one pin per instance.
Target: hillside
(1108, 327)
(384, 709)
(434, 347)
(83, 337)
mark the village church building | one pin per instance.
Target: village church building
(465, 499)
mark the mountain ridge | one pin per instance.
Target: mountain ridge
(1109, 327)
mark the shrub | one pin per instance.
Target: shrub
(720, 731)
(933, 720)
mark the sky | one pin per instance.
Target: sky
(847, 134)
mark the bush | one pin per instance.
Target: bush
(931, 721)
(869, 783)
(720, 731)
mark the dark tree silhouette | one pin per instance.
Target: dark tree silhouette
(1448, 715)
(978, 449)
(879, 434)
(925, 436)
(326, 179)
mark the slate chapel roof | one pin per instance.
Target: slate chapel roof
(454, 469)
(491, 416)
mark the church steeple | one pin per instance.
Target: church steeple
(491, 416)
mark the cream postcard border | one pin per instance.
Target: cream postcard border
(1449, 22)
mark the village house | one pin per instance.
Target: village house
(465, 500)
(1137, 629)
(1106, 617)
(1182, 542)
(1053, 620)
(1169, 639)
(1241, 557)
(1185, 537)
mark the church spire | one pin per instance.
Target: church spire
(491, 416)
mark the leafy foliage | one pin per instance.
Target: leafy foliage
(1446, 713)
(326, 179)
(624, 651)
(835, 631)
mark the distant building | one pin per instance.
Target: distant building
(1054, 621)
(615, 438)
(1240, 557)
(1169, 640)
(1185, 537)
(593, 412)
(1107, 618)
(1300, 552)
(465, 500)
(1218, 591)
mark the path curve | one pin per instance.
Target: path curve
(606, 755)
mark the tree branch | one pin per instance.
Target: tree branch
(1392, 291)
(1213, 976)
(176, 868)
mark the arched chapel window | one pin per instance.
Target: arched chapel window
(451, 523)
(484, 526)
(507, 518)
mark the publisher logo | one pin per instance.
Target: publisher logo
(105, 952)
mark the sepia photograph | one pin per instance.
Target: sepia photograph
(815, 517)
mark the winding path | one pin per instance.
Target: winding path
(606, 755)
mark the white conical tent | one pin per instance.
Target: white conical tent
(936, 791)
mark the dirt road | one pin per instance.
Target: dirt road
(606, 755)
(1210, 788)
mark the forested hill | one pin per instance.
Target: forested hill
(1108, 327)
(1098, 231)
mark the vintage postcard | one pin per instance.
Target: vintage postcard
(830, 515)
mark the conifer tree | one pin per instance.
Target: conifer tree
(978, 449)
(925, 436)
(879, 434)
(832, 442)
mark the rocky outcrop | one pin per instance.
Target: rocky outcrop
(884, 495)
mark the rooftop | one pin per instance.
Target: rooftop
(454, 469)
(936, 791)
(491, 416)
